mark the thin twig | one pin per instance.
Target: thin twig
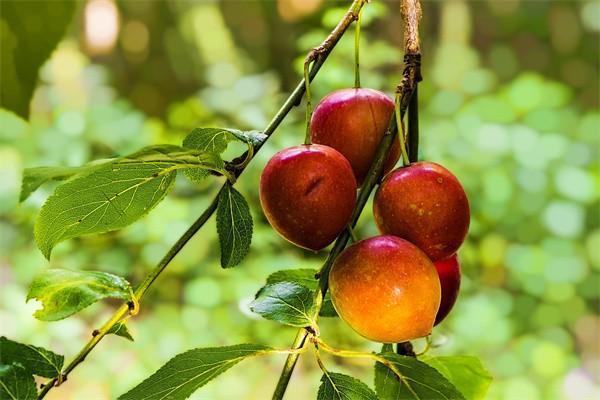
(411, 12)
(411, 15)
(318, 56)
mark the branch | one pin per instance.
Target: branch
(411, 12)
(411, 15)
(318, 57)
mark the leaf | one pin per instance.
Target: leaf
(120, 329)
(419, 381)
(301, 276)
(234, 225)
(387, 382)
(287, 303)
(33, 178)
(336, 386)
(467, 373)
(26, 41)
(16, 383)
(212, 140)
(63, 292)
(35, 360)
(185, 373)
(215, 140)
(304, 277)
(114, 195)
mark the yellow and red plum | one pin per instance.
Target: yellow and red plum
(386, 289)
(425, 204)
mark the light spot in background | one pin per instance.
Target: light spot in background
(504, 7)
(575, 183)
(293, 10)
(521, 388)
(446, 102)
(71, 123)
(493, 138)
(590, 15)
(10, 178)
(202, 292)
(579, 384)
(135, 37)
(478, 81)
(565, 30)
(564, 218)
(101, 26)
(577, 72)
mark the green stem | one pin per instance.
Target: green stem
(405, 159)
(369, 183)
(357, 51)
(353, 236)
(413, 126)
(293, 100)
(405, 90)
(307, 139)
(290, 363)
(361, 354)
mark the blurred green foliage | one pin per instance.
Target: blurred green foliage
(509, 103)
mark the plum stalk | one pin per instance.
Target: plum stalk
(411, 13)
(316, 57)
(357, 51)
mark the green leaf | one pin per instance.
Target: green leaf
(63, 292)
(304, 277)
(387, 383)
(26, 40)
(301, 276)
(35, 360)
(16, 383)
(115, 194)
(467, 373)
(336, 386)
(234, 225)
(286, 302)
(215, 140)
(419, 381)
(185, 373)
(33, 178)
(120, 329)
(212, 140)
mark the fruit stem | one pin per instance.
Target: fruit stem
(413, 126)
(405, 349)
(360, 354)
(357, 51)
(411, 12)
(307, 139)
(352, 234)
(402, 135)
(289, 365)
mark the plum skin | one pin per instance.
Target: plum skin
(308, 193)
(386, 289)
(425, 204)
(353, 121)
(449, 273)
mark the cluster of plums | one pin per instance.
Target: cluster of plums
(388, 288)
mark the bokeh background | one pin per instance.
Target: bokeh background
(509, 103)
